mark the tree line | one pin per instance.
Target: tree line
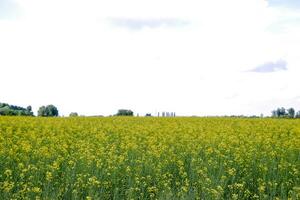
(45, 111)
(12, 110)
(52, 111)
(285, 113)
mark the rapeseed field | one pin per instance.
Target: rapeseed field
(149, 158)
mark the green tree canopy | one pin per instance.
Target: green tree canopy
(48, 111)
(291, 112)
(12, 110)
(124, 112)
(73, 114)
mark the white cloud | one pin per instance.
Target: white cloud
(139, 24)
(68, 54)
(270, 67)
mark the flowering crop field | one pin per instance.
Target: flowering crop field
(149, 158)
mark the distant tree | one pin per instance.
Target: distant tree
(29, 108)
(12, 110)
(73, 114)
(3, 105)
(148, 115)
(29, 111)
(274, 113)
(291, 112)
(297, 114)
(281, 112)
(124, 112)
(5, 110)
(52, 110)
(42, 111)
(48, 111)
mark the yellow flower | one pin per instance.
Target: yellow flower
(8, 186)
(232, 171)
(261, 188)
(49, 176)
(8, 172)
(36, 190)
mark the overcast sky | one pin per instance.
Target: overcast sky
(192, 57)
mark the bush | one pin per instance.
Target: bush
(124, 112)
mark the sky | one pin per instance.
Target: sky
(192, 57)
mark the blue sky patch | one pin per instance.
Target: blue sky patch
(269, 67)
(8, 9)
(294, 4)
(138, 24)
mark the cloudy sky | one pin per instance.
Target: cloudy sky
(193, 57)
